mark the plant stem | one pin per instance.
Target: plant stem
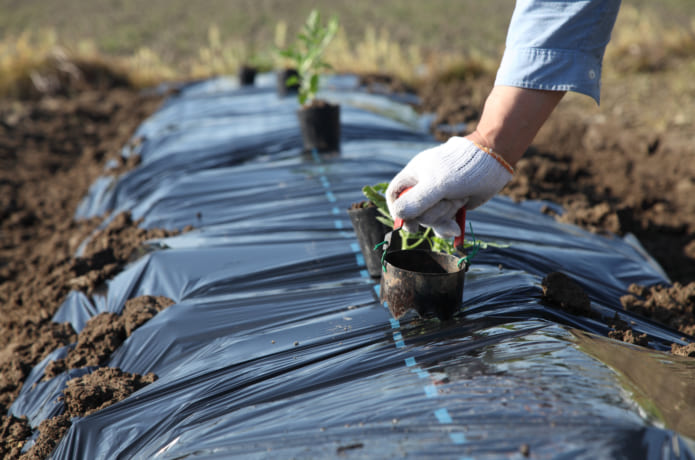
(404, 244)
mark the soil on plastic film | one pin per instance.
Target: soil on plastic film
(55, 142)
(53, 145)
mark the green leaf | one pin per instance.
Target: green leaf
(307, 52)
(442, 245)
(314, 84)
(385, 221)
(375, 196)
(384, 211)
(291, 54)
(381, 187)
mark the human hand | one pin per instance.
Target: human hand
(456, 174)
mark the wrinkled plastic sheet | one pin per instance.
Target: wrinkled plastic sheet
(277, 345)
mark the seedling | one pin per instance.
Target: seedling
(376, 195)
(307, 55)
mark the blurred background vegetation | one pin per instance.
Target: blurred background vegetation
(159, 40)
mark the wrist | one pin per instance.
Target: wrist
(480, 142)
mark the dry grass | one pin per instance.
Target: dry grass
(25, 58)
(36, 62)
(641, 43)
(648, 72)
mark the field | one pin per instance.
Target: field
(70, 80)
(179, 36)
(648, 61)
(176, 30)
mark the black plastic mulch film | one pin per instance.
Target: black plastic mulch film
(278, 347)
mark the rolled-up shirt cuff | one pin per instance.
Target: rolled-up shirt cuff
(552, 69)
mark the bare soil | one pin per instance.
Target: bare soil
(105, 332)
(55, 143)
(562, 291)
(83, 396)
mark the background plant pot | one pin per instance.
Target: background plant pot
(247, 75)
(320, 125)
(428, 282)
(283, 89)
(369, 232)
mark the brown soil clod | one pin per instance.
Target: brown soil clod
(105, 386)
(629, 336)
(100, 389)
(31, 343)
(561, 291)
(83, 396)
(100, 337)
(13, 434)
(139, 310)
(51, 431)
(110, 249)
(105, 332)
(673, 306)
(362, 204)
(683, 350)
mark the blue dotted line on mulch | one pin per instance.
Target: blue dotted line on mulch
(442, 414)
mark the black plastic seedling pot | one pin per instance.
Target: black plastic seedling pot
(320, 125)
(283, 88)
(247, 75)
(431, 283)
(369, 232)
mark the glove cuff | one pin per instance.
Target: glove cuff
(477, 173)
(496, 156)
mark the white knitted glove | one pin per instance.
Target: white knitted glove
(445, 178)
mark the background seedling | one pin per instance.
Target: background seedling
(307, 55)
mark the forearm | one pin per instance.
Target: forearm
(553, 46)
(511, 119)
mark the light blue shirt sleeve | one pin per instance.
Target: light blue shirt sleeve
(558, 45)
